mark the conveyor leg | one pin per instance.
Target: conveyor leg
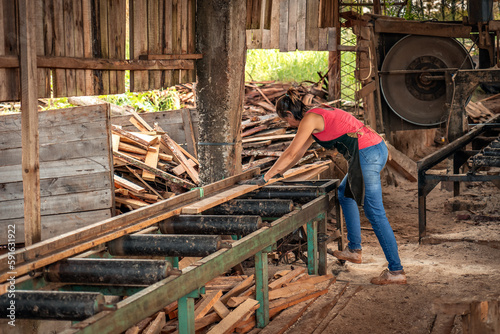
(186, 311)
(262, 288)
(174, 260)
(322, 251)
(312, 251)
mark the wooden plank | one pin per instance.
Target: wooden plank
(422, 28)
(79, 46)
(229, 323)
(301, 24)
(73, 167)
(183, 20)
(208, 302)
(29, 116)
(69, 44)
(289, 291)
(283, 46)
(156, 325)
(52, 205)
(116, 43)
(152, 161)
(179, 156)
(277, 137)
(138, 43)
(56, 225)
(87, 44)
(59, 78)
(292, 24)
(221, 309)
(287, 278)
(58, 133)
(54, 152)
(275, 25)
(189, 131)
(43, 75)
(239, 288)
(168, 40)
(104, 39)
(164, 175)
(58, 185)
(122, 182)
(217, 199)
(154, 44)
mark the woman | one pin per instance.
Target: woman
(367, 154)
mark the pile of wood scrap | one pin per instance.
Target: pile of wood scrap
(264, 135)
(229, 303)
(477, 112)
(149, 166)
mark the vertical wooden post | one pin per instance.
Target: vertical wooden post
(334, 81)
(312, 247)
(220, 37)
(262, 288)
(29, 120)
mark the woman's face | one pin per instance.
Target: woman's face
(291, 120)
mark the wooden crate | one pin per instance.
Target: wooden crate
(76, 170)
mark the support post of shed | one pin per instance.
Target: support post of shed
(29, 120)
(220, 37)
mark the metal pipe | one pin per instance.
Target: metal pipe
(263, 208)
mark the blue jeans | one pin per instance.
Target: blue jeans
(372, 160)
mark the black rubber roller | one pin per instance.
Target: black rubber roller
(260, 207)
(165, 245)
(211, 224)
(50, 305)
(108, 271)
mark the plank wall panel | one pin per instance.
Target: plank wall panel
(154, 39)
(69, 43)
(43, 74)
(167, 76)
(9, 78)
(138, 43)
(59, 75)
(55, 225)
(75, 168)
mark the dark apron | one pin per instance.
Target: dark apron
(347, 145)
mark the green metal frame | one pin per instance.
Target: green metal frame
(153, 298)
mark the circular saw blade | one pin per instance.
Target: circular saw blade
(420, 98)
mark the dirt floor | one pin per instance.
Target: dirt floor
(462, 266)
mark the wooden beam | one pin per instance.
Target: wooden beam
(102, 64)
(422, 28)
(29, 120)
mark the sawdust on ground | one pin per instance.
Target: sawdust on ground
(449, 271)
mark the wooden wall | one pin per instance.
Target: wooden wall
(82, 33)
(76, 185)
(294, 25)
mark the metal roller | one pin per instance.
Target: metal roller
(417, 93)
(211, 224)
(165, 245)
(300, 194)
(46, 305)
(108, 271)
(261, 207)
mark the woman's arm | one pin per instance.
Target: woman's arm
(303, 139)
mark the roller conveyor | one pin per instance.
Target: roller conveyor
(152, 284)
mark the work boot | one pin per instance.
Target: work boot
(390, 277)
(351, 255)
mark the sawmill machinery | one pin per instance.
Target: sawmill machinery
(419, 65)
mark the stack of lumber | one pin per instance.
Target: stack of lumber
(149, 166)
(229, 303)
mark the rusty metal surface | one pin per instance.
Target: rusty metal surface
(419, 95)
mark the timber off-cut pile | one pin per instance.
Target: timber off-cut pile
(149, 166)
(229, 303)
(264, 135)
(481, 111)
